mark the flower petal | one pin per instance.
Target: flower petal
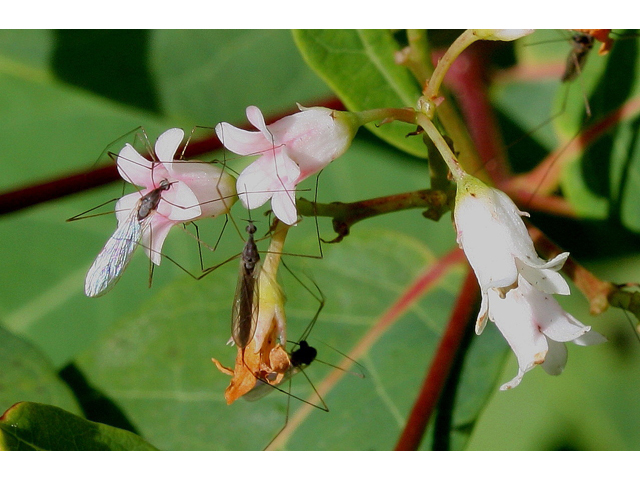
(241, 141)
(255, 117)
(125, 204)
(134, 168)
(590, 338)
(213, 186)
(265, 177)
(513, 316)
(155, 235)
(313, 138)
(167, 145)
(483, 314)
(545, 277)
(179, 203)
(514, 382)
(284, 207)
(556, 358)
(256, 183)
(549, 316)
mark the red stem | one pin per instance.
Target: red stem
(467, 80)
(443, 360)
(30, 195)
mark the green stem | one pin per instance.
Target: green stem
(442, 146)
(457, 47)
(418, 59)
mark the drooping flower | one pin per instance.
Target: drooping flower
(495, 240)
(263, 358)
(172, 192)
(536, 327)
(291, 149)
(515, 283)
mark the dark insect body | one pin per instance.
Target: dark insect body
(581, 45)
(243, 320)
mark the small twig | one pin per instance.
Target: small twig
(345, 215)
(416, 55)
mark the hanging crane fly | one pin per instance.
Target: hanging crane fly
(118, 251)
(244, 315)
(581, 45)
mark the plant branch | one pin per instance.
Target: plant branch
(345, 215)
(416, 55)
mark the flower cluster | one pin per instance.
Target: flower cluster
(517, 286)
(174, 192)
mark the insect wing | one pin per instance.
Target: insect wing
(245, 306)
(115, 256)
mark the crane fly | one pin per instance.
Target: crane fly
(118, 251)
(244, 314)
(581, 45)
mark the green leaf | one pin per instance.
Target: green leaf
(601, 178)
(35, 426)
(359, 66)
(27, 375)
(209, 76)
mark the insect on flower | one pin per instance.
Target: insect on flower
(118, 251)
(244, 315)
(301, 356)
(173, 192)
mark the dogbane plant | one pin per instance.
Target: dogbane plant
(517, 285)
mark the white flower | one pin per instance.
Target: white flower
(291, 149)
(496, 242)
(516, 285)
(536, 327)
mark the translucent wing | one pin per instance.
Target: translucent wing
(245, 305)
(115, 256)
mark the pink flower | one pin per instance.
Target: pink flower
(291, 149)
(172, 192)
